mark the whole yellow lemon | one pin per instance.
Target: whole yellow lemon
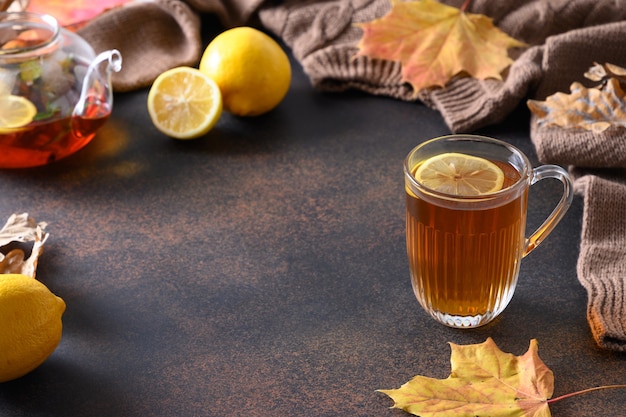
(250, 68)
(30, 324)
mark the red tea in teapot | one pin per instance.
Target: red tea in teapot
(55, 93)
(46, 141)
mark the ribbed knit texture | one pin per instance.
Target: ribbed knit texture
(565, 38)
(602, 261)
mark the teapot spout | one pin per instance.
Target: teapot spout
(96, 97)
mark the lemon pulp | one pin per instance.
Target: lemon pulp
(460, 174)
(184, 103)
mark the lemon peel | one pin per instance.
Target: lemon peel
(250, 68)
(30, 324)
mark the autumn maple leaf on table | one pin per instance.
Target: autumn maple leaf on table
(435, 42)
(484, 382)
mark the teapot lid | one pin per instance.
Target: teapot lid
(26, 31)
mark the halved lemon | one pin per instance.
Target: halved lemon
(184, 103)
(460, 174)
(15, 111)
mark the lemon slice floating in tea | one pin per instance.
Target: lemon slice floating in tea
(184, 103)
(15, 111)
(460, 174)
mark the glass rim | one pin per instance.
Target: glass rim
(26, 18)
(520, 183)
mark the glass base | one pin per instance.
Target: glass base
(463, 322)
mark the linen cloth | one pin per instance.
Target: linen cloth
(565, 38)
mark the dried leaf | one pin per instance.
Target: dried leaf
(435, 42)
(603, 72)
(586, 108)
(484, 382)
(21, 244)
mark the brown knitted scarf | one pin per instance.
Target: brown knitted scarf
(566, 38)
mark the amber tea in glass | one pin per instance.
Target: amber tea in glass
(465, 251)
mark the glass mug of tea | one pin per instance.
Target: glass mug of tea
(466, 200)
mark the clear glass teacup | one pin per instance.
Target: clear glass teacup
(465, 251)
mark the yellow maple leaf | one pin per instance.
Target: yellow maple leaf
(435, 42)
(484, 381)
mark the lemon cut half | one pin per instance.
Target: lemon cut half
(460, 174)
(184, 103)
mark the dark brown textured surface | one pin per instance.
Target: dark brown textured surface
(261, 271)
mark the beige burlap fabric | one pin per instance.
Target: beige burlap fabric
(154, 36)
(565, 38)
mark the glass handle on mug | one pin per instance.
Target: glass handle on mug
(556, 172)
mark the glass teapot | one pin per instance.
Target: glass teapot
(55, 93)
